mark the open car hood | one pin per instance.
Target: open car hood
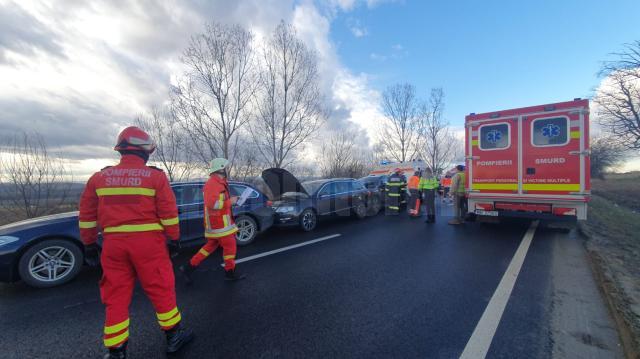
(281, 181)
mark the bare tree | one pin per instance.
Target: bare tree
(342, 157)
(213, 99)
(173, 152)
(400, 132)
(438, 147)
(289, 104)
(619, 97)
(605, 155)
(248, 162)
(34, 183)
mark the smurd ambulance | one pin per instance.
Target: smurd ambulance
(529, 162)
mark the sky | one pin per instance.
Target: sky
(79, 71)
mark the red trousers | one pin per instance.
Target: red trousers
(228, 244)
(124, 258)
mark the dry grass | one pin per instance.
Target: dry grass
(621, 189)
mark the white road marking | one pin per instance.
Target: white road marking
(480, 341)
(283, 249)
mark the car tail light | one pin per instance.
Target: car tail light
(562, 211)
(269, 203)
(485, 206)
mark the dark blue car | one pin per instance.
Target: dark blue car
(46, 251)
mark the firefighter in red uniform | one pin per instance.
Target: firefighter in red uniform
(135, 208)
(219, 227)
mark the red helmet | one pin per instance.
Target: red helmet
(133, 138)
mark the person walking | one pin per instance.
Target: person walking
(458, 183)
(428, 186)
(414, 195)
(135, 208)
(219, 226)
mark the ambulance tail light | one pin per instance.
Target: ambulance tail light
(485, 206)
(562, 211)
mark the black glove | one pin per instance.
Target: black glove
(174, 247)
(92, 254)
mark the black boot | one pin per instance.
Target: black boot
(187, 270)
(432, 218)
(119, 352)
(232, 275)
(177, 337)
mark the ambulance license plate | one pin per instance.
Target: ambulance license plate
(482, 212)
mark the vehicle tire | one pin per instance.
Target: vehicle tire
(50, 263)
(247, 230)
(376, 206)
(308, 220)
(360, 210)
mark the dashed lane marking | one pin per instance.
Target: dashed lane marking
(480, 341)
(284, 249)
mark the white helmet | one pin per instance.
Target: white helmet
(218, 164)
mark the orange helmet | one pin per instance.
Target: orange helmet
(133, 138)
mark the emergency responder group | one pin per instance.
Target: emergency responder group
(421, 189)
(134, 207)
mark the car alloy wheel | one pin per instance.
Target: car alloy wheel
(51, 264)
(308, 220)
(361, 210)
(247, 230)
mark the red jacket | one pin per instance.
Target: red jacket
(218, 216)
(128, 198)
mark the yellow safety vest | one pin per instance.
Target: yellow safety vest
(461, 183)
(429, 183)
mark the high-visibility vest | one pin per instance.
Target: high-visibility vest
(461, 182)
(428, 183)
(414, 182)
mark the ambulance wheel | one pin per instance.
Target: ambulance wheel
(50, 263)
(360, 210)
(308, 220)
(247, 230)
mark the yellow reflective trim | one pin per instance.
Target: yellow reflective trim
(495, 186)
(203, 252)
(396, 184)
(112, 329)
(575, 134)
(117, 340)
(115, 191)
(170, 221)
(568, 187)
(206, 218)
(171, 322)
(233, 256)
(225, 220)
(394, 194)
(220, 203)
(134, 228)
(87, 224)
(393, 207)
(474, 142)
(167, 315)
(221, 234)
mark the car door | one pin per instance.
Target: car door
(343, 197)
(326, 199)
(191, 212)
(250, 204)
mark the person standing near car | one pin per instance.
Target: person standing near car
(396, 185)
(458, 183)
(136, 209)
(219, 226)
(414, 195)
(428, 186)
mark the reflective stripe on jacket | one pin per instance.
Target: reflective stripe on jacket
(126, 198)
(218, 217)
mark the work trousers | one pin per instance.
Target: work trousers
(459, 206)
(124, 258)
(429, 196)
(413, 206)
(228, 244)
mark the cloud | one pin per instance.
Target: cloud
(356, 28)
(397, 52)
(79, 71)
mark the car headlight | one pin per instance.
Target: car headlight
(285, 209)
(4, 240)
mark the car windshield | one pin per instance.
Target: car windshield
(312, 186)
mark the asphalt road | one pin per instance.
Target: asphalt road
(386, 287)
